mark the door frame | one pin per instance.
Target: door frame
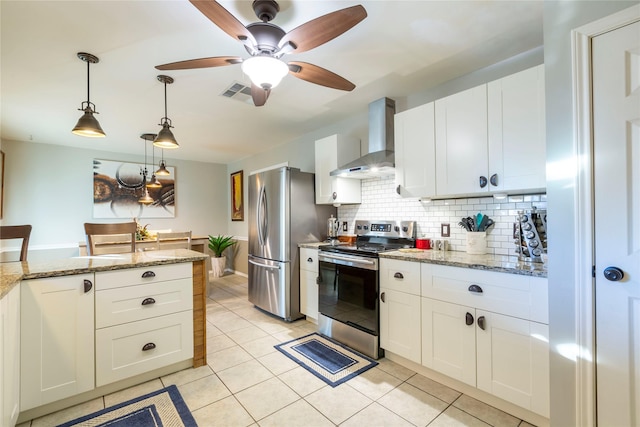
(584, 221)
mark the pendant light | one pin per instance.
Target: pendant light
(153, 182)
(87, 124)
(165, 138)
(146, 198)
(162, 170)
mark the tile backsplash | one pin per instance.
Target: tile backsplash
(380, 201)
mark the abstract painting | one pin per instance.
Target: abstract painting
(237, 197)
(117, 187)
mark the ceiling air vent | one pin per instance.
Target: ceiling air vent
(239, 92)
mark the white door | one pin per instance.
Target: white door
(400, 323)
(616, 118)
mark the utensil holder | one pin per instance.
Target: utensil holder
(476, 242)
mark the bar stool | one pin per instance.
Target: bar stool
(110, 238)
(17, 232)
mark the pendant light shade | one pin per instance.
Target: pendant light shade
(87, 124)
(162, 170)
(165, 138)
(146, 198)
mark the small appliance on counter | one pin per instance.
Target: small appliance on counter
(530, 235)
(333, 225)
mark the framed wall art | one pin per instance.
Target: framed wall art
(117, 187)
(237, 196)
(1, 184)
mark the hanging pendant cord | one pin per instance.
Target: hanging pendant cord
(88, 98)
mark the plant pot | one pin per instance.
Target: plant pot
(217, 266)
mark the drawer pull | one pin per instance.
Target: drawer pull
(469, 319)
(87, 285)
(148, 274)
(148, 301)
(382, 296)
(309, 259)
(475, 288)
(398, 275)
(148, 346)
(481, 323)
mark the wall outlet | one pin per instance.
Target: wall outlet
(445, 230)
(344, 226)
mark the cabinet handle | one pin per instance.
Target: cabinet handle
(398, 275)
(398, 189)
(475, 288)
(148, 301)
(309, 259)
(468, 319)
(87, 285)
(481, 323)
(483, 181)
(148, 274)
(382, 296)
(148, 346)
(494, 180)
(334, 195)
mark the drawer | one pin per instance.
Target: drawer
(136, 276)
(515, 295)
(309, 259)
(401, 276)
(120, 353)
(123, 305)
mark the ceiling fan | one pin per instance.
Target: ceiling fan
(267, 43)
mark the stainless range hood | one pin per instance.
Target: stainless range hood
(380, 160)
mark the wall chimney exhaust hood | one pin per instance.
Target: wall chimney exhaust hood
(381, 160)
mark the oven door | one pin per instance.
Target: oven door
(348, 290)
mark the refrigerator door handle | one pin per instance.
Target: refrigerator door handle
(274, 267)
(262, 216)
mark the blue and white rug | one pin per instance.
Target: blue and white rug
(328, 360)
(162, 408)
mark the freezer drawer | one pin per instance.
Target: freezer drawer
(271, 289)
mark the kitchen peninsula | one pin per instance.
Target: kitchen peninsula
(83, 309)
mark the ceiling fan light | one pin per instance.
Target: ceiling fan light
(88, 125)
(162, 170)
(165, 138)
(265, 71)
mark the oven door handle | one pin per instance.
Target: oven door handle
(344, 258)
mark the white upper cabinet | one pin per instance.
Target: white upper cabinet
(491, 138)
(332, 152)
(461, 142)
(415, 152)
(516, 115)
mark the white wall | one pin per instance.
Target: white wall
(51, 188)
(560, 17)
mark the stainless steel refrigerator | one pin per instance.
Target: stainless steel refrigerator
(282, 214)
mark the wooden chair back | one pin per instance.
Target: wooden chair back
(173, 240)
(110, 238)
(17, 232)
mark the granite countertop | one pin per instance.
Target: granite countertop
(11, 273)
(499, 263)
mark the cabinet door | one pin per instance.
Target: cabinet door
(400, 323)
(517, 155)
(308, 285)
(415, 152)
(332, 152)
(448, 339)
(57, 339)
(461, 142)
(513, 360)
(10, 357)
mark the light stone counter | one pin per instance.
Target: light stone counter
(499, 263)
(11, 273)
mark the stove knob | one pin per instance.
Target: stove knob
(405, 228)
(366, 227)
(396, 228)
(359, 227)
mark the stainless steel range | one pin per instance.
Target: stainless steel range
(349, 283)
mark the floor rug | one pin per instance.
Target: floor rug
(328, 360)
(162, 408)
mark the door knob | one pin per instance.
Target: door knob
(613, 274)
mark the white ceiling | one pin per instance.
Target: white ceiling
(400, 48)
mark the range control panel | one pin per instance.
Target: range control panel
(404, 229)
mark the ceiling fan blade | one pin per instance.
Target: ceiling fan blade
(318, 75)
(259, 95)
(225, 20)
(323, 29)
(216, 61)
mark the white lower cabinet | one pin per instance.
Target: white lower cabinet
(400, 308)
(10, 357)
(308, 285)
(56, 339)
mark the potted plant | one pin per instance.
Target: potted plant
(218, 244)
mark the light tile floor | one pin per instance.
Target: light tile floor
(247, 382)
